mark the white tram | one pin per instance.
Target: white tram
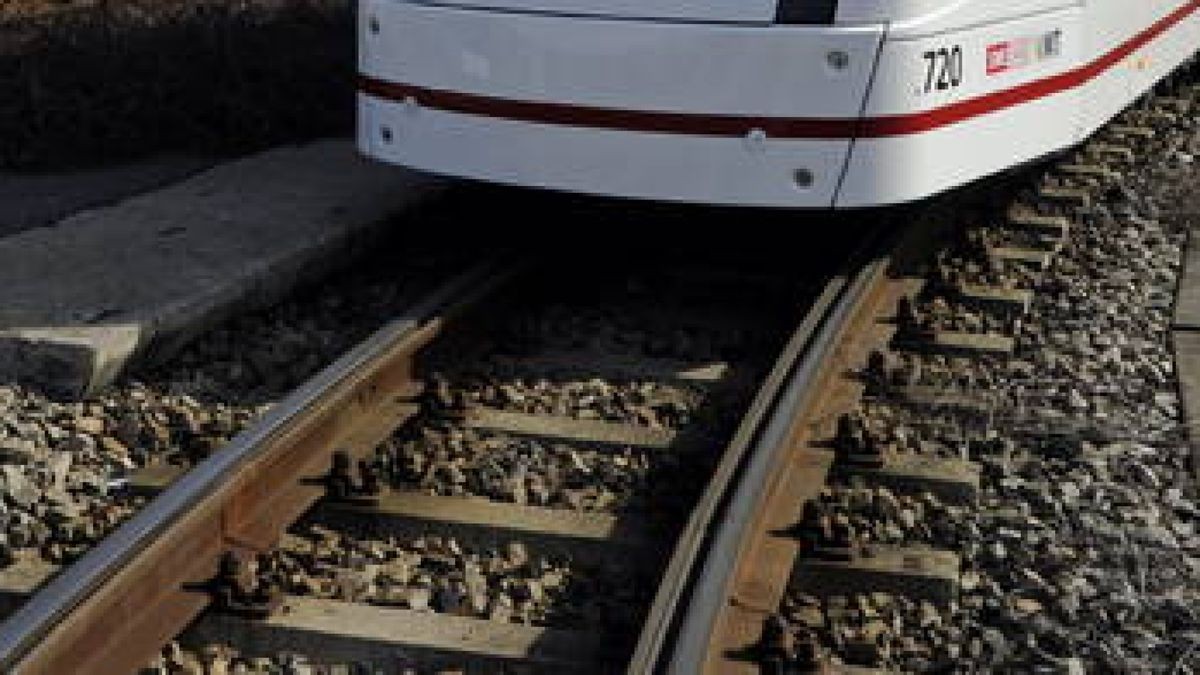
(788, 103)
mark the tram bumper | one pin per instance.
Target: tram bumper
(709, 113)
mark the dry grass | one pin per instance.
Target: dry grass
(100, 80)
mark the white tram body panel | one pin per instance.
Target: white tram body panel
(864, 103)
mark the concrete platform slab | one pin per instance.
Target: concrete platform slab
(88, 294)
(34, 200)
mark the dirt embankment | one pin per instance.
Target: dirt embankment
(104, 80)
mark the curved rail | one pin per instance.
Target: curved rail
(686, 608)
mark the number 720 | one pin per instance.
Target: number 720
(943, 69)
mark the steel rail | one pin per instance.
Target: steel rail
(32, 637)
(687, 605)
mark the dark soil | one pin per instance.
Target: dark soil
(109, 80)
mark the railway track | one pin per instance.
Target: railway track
(859, 503)
(528, 468)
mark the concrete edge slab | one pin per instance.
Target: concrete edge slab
(138, 280)
(70, 359)
(34, 199)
